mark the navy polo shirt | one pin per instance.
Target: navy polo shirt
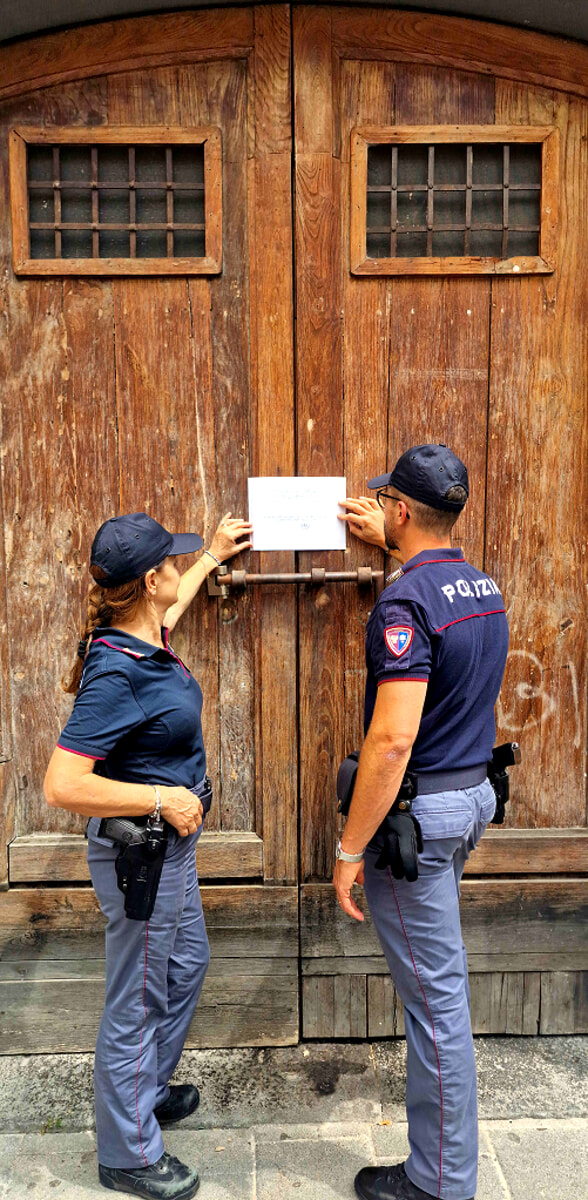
(442, 622)
(138, 713)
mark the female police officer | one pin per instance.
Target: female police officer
(133, 748)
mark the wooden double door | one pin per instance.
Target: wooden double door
(164, 392)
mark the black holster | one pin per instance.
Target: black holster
(138, 870)
(506, 755)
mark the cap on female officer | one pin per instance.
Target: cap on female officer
(133, 748)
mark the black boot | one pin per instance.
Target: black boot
(183, 1099)
(167, 1179)
(388, 1183)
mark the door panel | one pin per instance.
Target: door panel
(497, 369)
(160, 394)
(493, 367)
(138, 394)
(537, 460)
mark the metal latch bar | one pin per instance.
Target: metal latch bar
(223, 580)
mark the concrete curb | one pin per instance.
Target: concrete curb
(323, 1083)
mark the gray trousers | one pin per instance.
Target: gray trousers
(154, 973)
(419, 929)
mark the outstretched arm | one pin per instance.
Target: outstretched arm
(227, 541)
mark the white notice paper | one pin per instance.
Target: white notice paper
(297, 513)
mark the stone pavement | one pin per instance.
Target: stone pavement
(519, 1160)
(297, 1123)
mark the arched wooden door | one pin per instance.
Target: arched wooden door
(165, 388)
(159, 391)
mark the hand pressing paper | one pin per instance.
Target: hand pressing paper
(296, 512)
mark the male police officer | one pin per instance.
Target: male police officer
(436, 649)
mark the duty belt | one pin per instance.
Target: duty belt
(417, 784)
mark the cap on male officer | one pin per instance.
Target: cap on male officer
(428, 473)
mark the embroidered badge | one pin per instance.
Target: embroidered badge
(398, 639)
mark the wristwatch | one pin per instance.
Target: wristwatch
(341, 853)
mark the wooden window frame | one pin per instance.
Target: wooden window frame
(543, 263)
(209, 136)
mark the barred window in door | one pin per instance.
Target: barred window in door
(453, 200)
(116, 201)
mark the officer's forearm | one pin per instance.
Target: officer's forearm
(381, 768)
(93, 796)
(190, 585)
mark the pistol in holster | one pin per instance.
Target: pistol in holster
(399, 835)
(506, 755)
(346, 776)
(139, 864)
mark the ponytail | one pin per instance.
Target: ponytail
(105, 606)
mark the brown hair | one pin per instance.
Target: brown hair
(105, 606)
(435, 520)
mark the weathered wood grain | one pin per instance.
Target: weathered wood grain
(466, 265)
(196, 636)
(62, 1014)
(43, 970)
(530, 852)
(506, 1003)
(479, 963)
(366, 92)
(6, 818)
(564, 1002)
(55, 858)
(334, 1007)
(489, 49)
(270, 82)
(382, 999)
(320, 452)
(6, 771)
(154, 40)
(523, 917)
(320, 428)
(539, 361)
(313, 79)
(131, 44)
(231, 404)
(270, 249)
(43, 353)
(62, 923)
(500, 1004)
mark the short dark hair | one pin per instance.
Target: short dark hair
(436, 520)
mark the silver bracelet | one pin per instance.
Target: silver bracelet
(156, 814)
(217, 560)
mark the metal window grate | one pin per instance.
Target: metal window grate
(116, 201)
(453, 200)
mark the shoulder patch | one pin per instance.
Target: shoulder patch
(398, 639)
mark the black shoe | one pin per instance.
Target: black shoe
(183, 1099)
(167, 1179)
(388, 1183)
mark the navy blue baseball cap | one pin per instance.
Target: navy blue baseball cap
(126, 547)
(427, 473)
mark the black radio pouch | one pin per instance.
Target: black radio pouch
(138, 871)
